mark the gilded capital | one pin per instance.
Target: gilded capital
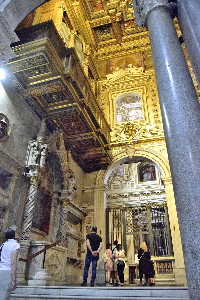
(143, 7)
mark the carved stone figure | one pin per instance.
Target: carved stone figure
(36, 153)
(3, 129)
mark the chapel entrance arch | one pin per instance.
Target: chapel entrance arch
(149, 218)
(136, 208)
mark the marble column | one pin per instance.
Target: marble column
(26, 227)
(188, 18)
(35, 161)
(99, 212)
(181, 119)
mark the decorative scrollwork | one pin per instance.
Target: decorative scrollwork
(135, 130)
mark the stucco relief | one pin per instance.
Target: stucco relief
(135, 131)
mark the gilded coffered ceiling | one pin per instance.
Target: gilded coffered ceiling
(73, 59)
(107, 26)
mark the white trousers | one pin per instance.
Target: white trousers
(5, 284)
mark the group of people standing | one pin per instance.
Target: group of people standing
(114, 258)
(114, 264)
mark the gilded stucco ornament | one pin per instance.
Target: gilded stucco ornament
(136, 131)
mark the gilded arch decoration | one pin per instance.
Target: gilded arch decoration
(120, 153)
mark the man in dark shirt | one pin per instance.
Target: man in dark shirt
(94, 245)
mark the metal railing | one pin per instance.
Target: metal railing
(39, 252)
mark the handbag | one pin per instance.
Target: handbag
(120, 262)
(1, 250)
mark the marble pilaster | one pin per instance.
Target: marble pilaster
(181, 119)
(54, 217)
(21, 265)
(179, 266)
(38, 261)
(99, 212)
(100, 222)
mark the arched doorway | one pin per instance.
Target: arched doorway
(159, 211)
(136, 211)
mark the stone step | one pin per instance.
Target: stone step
(100, 293)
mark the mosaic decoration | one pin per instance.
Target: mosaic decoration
(118, 172)
(136, 60)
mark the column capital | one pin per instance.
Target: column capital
(143, 7)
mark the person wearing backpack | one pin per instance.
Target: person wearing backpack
(8, 263)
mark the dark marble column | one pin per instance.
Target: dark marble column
(181, 120)
(188, 17)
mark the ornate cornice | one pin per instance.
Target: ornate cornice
(110, 49)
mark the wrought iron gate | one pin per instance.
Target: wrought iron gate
(147, 223)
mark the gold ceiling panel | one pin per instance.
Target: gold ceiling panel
(96, 35)
(106, 27)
